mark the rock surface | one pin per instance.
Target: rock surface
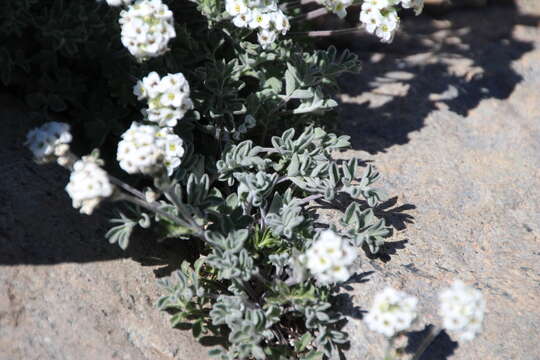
(449, 113)
(65, 293)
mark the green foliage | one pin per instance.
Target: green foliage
(258, 150)
(256, 231)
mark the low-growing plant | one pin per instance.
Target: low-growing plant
(233, 145)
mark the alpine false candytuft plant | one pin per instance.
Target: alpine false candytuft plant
(231, 145)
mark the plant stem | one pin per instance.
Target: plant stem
(197, 230)
(263, 218)
(388, 350)
(310, 15)
(434, 331)
(309, 199)
(326, 33)
(127, 187)
(268, 149)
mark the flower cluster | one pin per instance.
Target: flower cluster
(329, 258)
(147, 27)
(88, 185)
(462, 310)
(148, 149)
(392, 312)
(338, 7)
(49, 141)
(263, 15)
(381, 18)
(168, 97)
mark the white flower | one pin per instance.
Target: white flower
(266, 37)
(236, 7)
(385, 33)
(338, 7)
(259, 20)
(148, 149)
(378, 4)
(340, 10)
(147, 27)
(417, 5)
(173, 147)
(242, 20)
(371, 18)
(118, 2)
(148, 87)
(392, 312)
(49, 141)
(280, 21)
(329, 258)
(88, 185)
(168, 97)
(462, 309)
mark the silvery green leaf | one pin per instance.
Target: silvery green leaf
(144, 221)
(291, 79)
(121, 233)
(294, 165)
(274, 83)
(301, 94)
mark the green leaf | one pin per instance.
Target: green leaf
(177, 319)
(197, 328)
(273, 83)
(301, 344)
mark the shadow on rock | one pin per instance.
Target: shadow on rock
(453, 62)
(387, 249)
(441, 348)
(394, 216)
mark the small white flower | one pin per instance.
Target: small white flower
(416, 5)
(378, 4)
(235, 7)
(371, 18)
(147, 28)
(88, 185)
(340, 10)
(266, 37)
(385, 33)
(118, 2)
(49, 141)
(462, 309)
(280, 21)
(260, 20)
(392, 312)
(330, 257)
(173, 147)
(338, 7)
(242, 20)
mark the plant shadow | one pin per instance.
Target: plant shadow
(394, 215)
(442, 347)
(452, 63)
